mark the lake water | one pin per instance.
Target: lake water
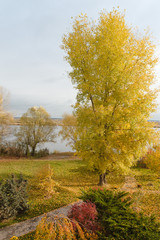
(59, 145)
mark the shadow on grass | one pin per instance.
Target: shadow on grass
(80, 176)
(81, 185)
(86, 177)
(4, 176)
(82, 171)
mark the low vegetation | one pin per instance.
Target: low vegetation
(152, 159)
(13, 197)
(60, 228)
(69, 178)
(16, 149)
(104, 214)
(86, 214)
(117, 219)
(66, 178)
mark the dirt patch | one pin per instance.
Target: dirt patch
(130, 184)
(61, 156)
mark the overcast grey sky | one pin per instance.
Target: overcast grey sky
(32, 66)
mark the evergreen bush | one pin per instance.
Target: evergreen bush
(13, 197)
(42, 153)
(118, 220)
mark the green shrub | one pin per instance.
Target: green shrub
(13, 148)
(117, 219)
(42, 153)
(18, 149)
(13, 197)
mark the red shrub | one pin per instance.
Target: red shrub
(86, 215)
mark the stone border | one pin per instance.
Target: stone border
(27, 226)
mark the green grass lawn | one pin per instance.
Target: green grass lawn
(70, 175)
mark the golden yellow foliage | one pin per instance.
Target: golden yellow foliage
(6, 118)
(36, 127)
(152, 159)
(62, 228)
(113, 70)
(68, 130)
(43, 181)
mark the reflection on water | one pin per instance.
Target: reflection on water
(59, 145)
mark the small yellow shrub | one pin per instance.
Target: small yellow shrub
(152, 159)
(43, 181)
(62, 228)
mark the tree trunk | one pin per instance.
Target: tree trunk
(33, 150)
(27, 151)
(102, 179)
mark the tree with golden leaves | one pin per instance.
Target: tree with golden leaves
(68, 130)
(36, 127)
(6, 118)
(112, 70)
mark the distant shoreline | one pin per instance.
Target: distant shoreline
(56, 121)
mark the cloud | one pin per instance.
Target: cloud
(20, 104)
(32, 67)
